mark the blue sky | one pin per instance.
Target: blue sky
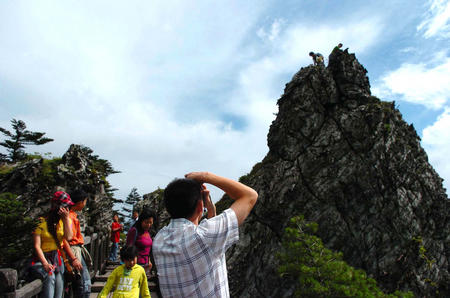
(162, 88)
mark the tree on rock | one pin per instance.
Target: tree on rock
(19, 138)
(319, 271)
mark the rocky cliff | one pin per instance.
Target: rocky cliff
(35, 181)
(348, 161)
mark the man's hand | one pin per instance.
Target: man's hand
(76, 264)
(207, 202)
(198, 176)
(244, 196)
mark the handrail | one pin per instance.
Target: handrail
(31, 289)
(96, 244)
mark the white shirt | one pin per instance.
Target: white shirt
(190, 259)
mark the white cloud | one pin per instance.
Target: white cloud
(262, 81)
(115, 77)
(112, 77)
(408, 50)
(436, 141)
(437, 20)
(274, 31)
(418, 83)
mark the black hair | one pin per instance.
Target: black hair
(78, 195)
(128, 253)
(52, 220)
(145, 214)
(181, 197)
(311, 53)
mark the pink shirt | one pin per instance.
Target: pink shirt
(143, 243)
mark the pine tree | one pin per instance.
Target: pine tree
(14, 223)
(129, 205)
(19, 138)
(321, 272)
(132, 199)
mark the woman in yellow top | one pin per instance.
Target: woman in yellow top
(47, 241)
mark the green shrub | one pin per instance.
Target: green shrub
(320, 272)
(6, 169)
(14, 224)
(48, 175)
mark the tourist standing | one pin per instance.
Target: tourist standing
(128, 279)
(116, 228)
(78, 255)
(47, 241)
(189, 253)
(134, 218)
(139, 236)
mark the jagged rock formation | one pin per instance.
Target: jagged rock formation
(36, 180)
(349, 162)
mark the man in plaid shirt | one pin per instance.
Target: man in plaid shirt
(189, 254)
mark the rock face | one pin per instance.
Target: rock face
(36, 180)
(349, 162)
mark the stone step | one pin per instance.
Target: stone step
(97, 287)
(111, 267)
(102, 277)
(152, 286)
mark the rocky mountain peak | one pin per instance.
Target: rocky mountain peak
(348, 161)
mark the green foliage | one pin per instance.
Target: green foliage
(422, 250)
(246, 178)
(6, 169)
(387, 106)
(123, 237)
(132, 199)
(129, 204)
(19, 138)
(48, 175)
(14, 223)
(320, 272)
(429, 261)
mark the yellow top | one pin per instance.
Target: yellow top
(127, 286)
(47, 241)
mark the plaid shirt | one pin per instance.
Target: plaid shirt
(190, 259)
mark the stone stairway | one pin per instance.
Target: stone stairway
(100, 280)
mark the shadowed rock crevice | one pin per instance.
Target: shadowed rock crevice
(348, 161)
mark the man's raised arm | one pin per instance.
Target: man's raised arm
(244, 197)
